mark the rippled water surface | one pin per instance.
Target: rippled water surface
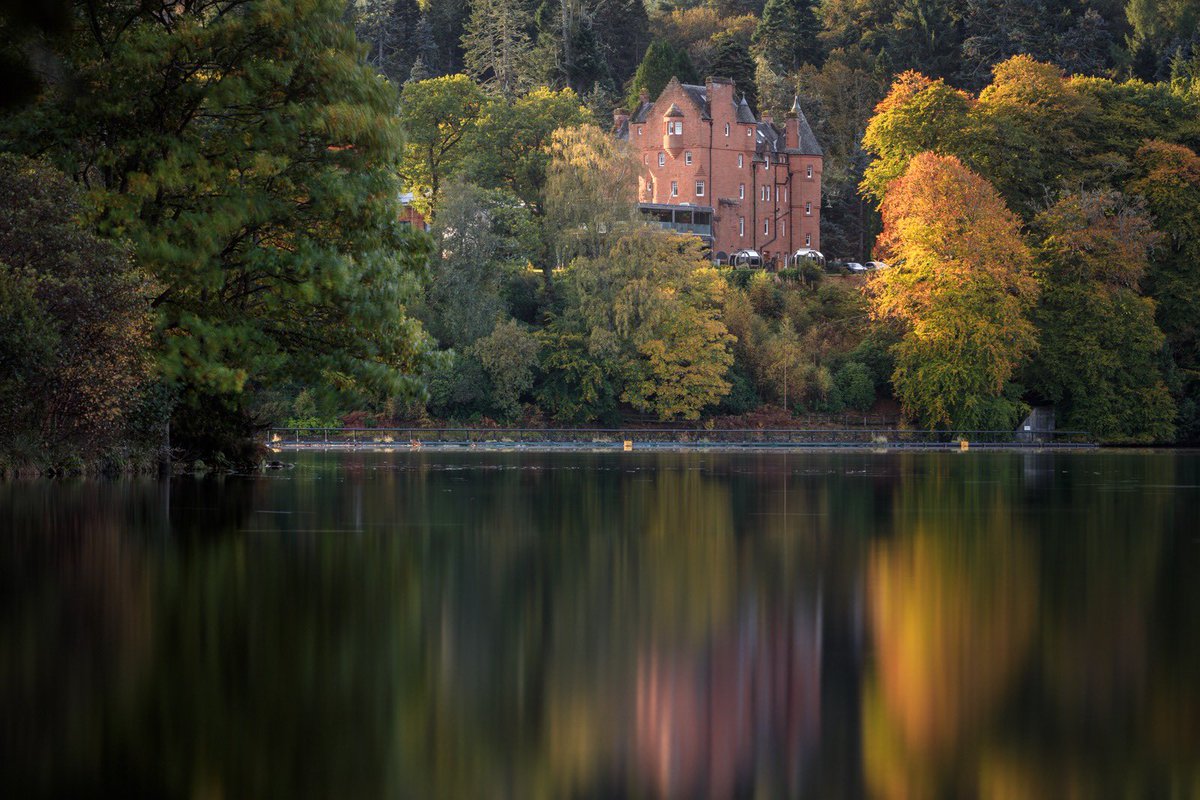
(554, 625)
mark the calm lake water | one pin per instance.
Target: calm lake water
(522, 625)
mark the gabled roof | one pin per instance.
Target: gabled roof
(699, 96)
(674, 111)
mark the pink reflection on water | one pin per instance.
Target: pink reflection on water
(704, 719)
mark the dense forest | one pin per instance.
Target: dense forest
(200, 219)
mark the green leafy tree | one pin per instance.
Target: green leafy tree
(918, 115)
(250, 159)
(856, 385)
(961, 282)
(787, 34)
(75, 318)
(439, 117)
(1099, 355)
(661, 62)
(591, 186)
(511, 148)
(1030, 108)
(654, 302)
(509, 355)
(496, 45)
(484, 236)
(1169, 181)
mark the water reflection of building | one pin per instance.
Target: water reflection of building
(706, 722)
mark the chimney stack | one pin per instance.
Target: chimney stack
(620, 118)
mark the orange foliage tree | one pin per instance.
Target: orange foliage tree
(962, 285)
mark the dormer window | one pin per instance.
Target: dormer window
(662, 159)
(674, 128)
(687, 158)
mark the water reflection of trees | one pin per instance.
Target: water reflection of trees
(649, 625)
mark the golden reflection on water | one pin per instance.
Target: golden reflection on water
(657, 625)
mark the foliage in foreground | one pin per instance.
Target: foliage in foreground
(249, 157)
(75, 326)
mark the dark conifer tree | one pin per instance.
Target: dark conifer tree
(662, 61)
(787, 34)
(731, 59)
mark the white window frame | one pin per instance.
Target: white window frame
(726, 128)
(662, 159)
(640, 129)
(700, 188)
(767, 226)
(741, 226)
(749, 131)
(674, 188)
(741, 191)
(809, 171)
(674, 128)
(687, 158)
(808, 208)
(808, 240)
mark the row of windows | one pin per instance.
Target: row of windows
(700, 188)
(687, 159)
(675, 188)
(767, 230)
(676, 129)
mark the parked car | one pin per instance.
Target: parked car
(751, 259)
(876, 265)
(855, 267)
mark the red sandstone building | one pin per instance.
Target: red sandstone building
(711, 168)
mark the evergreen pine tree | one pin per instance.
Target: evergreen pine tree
(388, 28)
(731, 59)
(264, 204)
(787, 34)
(662, 61)
(623, 29)
(496, 45)
(419, 72)
(447, 19)
(588, 64)
(425, 46)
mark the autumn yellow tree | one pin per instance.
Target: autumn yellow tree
(650, 312)
(591, 188)
(962, 285)
(918, 115)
